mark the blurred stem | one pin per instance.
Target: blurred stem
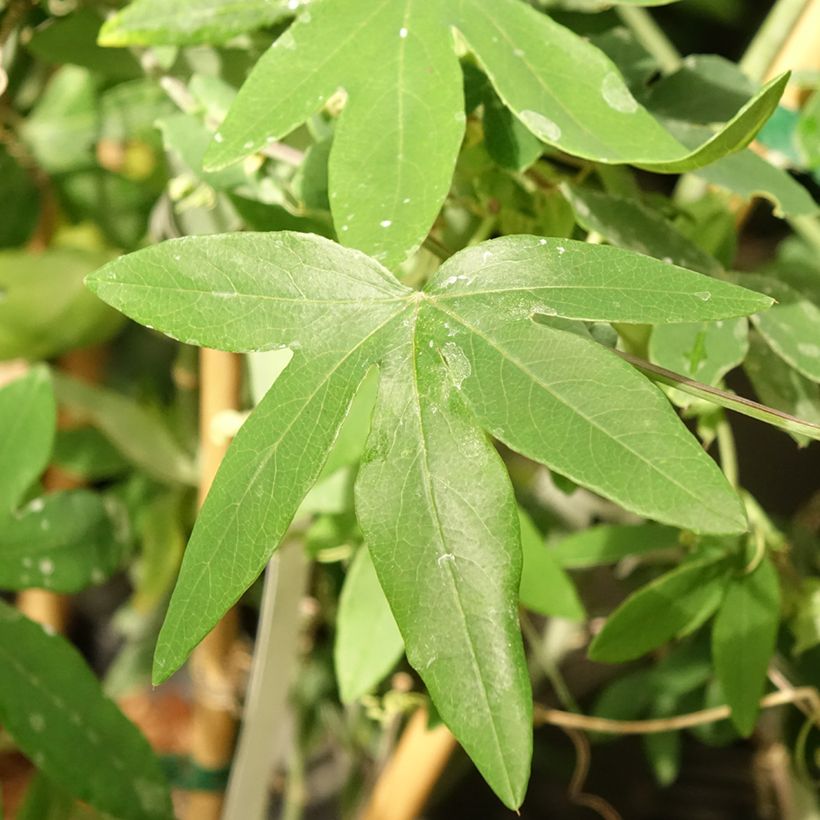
(275, 657)
(727, 450)
(650, 35)
(547, 664)
(771, 36)
(294, 803)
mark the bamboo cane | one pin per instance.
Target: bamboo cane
(213, 727)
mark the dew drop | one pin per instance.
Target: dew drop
(561, 250)
(616, 95)
(459, 364)
(447, 558)
(704, 295)
(36, 505)
(37, 722)
(46, 566)
(386, 223)
(543, 126)
(403, 33)
(218, 137)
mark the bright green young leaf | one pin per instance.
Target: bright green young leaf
(609, 543)
(628, 223)
(44, 308)
(433, 500)
(704, 351)
(188, 22)
(396, 61)
(368, 642)
(28, 417)
(440, 520)
(661, 610)
(743, 640)
(545, 587)
(139, 435)
(63, 542)
(780, 386)
(53, 707)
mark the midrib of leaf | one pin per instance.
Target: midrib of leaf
(205, 566)
(442, 550)
(589, 419)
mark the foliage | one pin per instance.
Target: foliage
(445, 235)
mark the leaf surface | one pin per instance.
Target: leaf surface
(53, 707)
(64, 542)
(609, 543)
(395, 60)
(440, 520)
(368, 642)
(659, 611)
(743, 640)
(28, 418)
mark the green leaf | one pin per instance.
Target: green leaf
(63, 542)
(661, 610)
(190, 22)
(545, 587)
(44, 309)
(28, 417)
(368, 643)
(782, 387)
(743, 641)
(609, 543)
(628, 223)
(73, 39)
(432, 497)
(52, 705)
(791, 329)
(139, 435)
(62, 128)
(524, 275)
(396, 62)
(86, 453)
(439, 517)
(705, 351)
(18, 186)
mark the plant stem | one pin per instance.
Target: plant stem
(547, 664)
(728, 451)
(213, 725)
(771, 36)
(274, 658)
(730, 401)
(555, 717)
(650, 35)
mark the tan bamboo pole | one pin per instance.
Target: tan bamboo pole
(213, 726)
(53, 609)
(801, 51)
(409, 776)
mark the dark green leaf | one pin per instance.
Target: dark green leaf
(743, 641)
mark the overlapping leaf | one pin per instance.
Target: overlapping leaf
(396, 62)
(53, 707)
(481, 347)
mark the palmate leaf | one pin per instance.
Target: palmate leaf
(432, 496)
(396, 61)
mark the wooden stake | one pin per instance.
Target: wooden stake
(408, 778)
(800, 52)
(213, 729)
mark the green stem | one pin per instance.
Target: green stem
(730, 401)
(650, 35)
(770, 37)
(728, 451)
